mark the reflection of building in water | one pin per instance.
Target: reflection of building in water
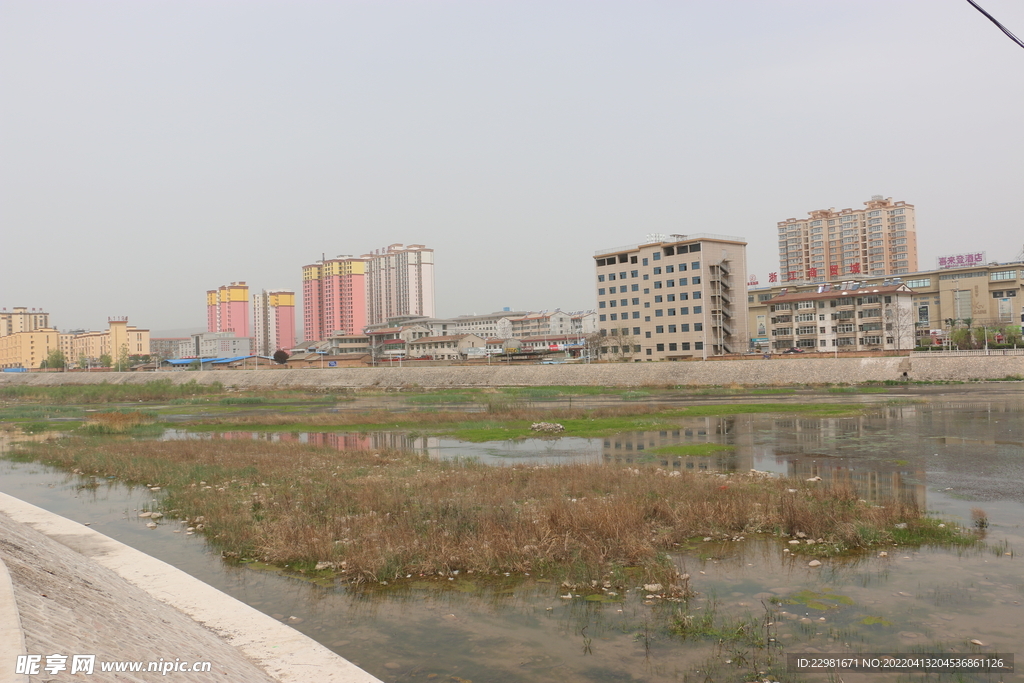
(872, 481)
(849, 451)
(342, 441)
(642, 447)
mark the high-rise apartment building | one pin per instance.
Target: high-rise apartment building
(399, 281)
(333, 297)
(878, 240)
(274, 320)
(673, 297)
(227, 309)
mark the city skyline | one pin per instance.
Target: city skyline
(149, 145)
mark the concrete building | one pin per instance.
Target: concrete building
(399, 281)
(333, 297)
(22, 319)
(227, 309)
(673, 297)
(27, 349)
(165, 348)
(214, 345)
(273, 320)
(87, 348)
(845, 318)
(449, 347)
(983, 295)
(878, 240)
(544, 322)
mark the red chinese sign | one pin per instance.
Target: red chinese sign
(962, 260)
(854, 267)
(833, 270)
(812, 272)
(752, 281)
(773, 277)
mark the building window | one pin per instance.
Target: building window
(695, 265)
(602, 317)
(698, 327)
(697, 309)
(698, 346)
(671, 311)
(636, 331)
(659, 329)
(634, 273)
(656, 257)
(657, 270)
(634, 288)
(647, 334)
(672, 346)
(1004, 275)
(669, 269)
(657, 313)
(696, 295)
(660, 347)
(695, 281)
(684, 311)
(657, 298)
(600, 292)
(636, 301)
(657, 284)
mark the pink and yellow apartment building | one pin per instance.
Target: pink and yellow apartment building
(334, 297)
(227, 309)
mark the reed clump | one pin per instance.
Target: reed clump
(378, 516)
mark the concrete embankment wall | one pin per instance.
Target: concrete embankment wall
(777, 371)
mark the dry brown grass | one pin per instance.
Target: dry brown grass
(378, 516)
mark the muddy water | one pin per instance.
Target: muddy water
(951, 455)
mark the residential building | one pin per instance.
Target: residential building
(982, 294)
(227, 309)
(399, 281)
(333, 297)
(22, 319)
(28, 348)
(545, 322)
(214, 345)
(878, 240)
(449, 347)
(165, 348)
(673, 297)
(849, 317)
(273, 320)
(87, 348)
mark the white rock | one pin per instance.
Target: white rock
(157, 515)
(152, 525)
(145, 514)
(977, 642)
(814, 563)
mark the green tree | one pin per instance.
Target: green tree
(106, 361)
(56, 359)
(83, 362)
(123, 359)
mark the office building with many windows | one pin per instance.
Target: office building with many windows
(672, 297)
(829, 245)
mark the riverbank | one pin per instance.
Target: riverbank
(66, 589)
(779, 371)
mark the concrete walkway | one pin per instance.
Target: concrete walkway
(68, 590)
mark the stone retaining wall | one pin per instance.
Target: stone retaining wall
(777, 371)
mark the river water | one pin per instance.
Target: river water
(951, 453)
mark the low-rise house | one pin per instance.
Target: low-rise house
(448, 347)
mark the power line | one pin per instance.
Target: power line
(995, 21)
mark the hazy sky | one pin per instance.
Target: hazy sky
(151, 150)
